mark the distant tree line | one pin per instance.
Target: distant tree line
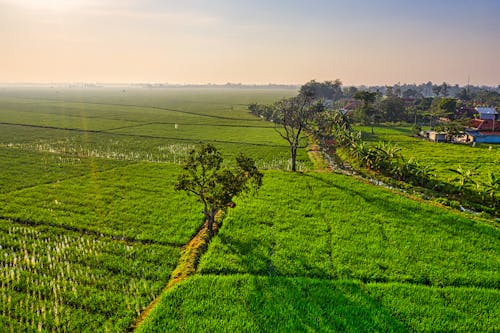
(421, 105)
(318, 110)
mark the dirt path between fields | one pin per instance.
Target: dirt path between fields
(187, 265)
(196, 247)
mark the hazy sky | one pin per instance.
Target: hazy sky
(250, 41)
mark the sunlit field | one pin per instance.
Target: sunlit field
(323, 252)
(441, 157)
(91, 227)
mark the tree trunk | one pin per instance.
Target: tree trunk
(294, 158)
(210, 216)
(210, 224)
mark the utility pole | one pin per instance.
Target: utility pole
(468, 86)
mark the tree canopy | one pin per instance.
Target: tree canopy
(366, 113)
(292, 116)
(214, 185)
(331, 90)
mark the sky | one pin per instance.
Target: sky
(371, 42)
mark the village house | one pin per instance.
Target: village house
(486, 128)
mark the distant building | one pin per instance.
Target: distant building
(489, 120)
(488, 113)
(486, 129)
(437, 136)
(351, 106)
(484, 137)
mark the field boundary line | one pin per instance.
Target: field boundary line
(86, 231)
(139, 106)
(68, 178)
(346, 278)
(74, 115)
(137, 121)
(105, 132)
(186, 267)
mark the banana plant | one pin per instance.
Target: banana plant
(464, 177)
(492, 187)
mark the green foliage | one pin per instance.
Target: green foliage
(292, 117)
(453, 169)
(333, 123)
(392, 109)
(366, 114)
(492, 187)
(322, 90)
(439, 108)
(366, 97)
(213, 186)
(464, 177)
(448, 105)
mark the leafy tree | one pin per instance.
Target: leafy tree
(328, 90)
(392, 108)
(441, 107)
(437, 90)
(389, 91)
(463, 95)
(397, 90)
(367, 111)
(444, 89)
(292, 116)
(331, 123)
(213, 185)
(421, 107)
(448, 105)
(411, 93)
(485, 97)
(260, 110)
(350, 91)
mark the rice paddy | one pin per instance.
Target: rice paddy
(91, 227)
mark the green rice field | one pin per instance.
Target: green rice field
(345, 257)
(91, 227)
(441, 157)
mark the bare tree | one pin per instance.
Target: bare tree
(292, 116)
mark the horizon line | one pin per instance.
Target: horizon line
(229, 83)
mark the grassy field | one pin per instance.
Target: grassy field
(141, 124)
(442, 157)
(56, 280)
(327, 235)
(91, 228)
(347, 256)
(249, 303)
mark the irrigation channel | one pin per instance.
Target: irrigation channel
(337, 165)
